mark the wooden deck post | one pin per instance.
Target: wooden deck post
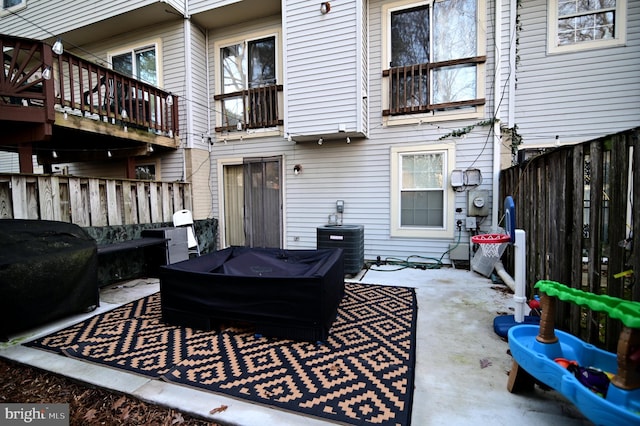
(25, 157)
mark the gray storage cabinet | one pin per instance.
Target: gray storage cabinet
(176, 249)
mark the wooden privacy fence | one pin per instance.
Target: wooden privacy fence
(91, 201)
(578, 205)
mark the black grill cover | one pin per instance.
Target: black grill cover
(47, 271)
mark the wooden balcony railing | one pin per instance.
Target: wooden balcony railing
(37, 78)
(409, 87)
(102, 93)
(259, 108)
(22, 82)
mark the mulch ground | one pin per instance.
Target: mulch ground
(88, 405)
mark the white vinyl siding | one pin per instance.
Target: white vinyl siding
(575, 96)
(197, 6)
(10, 163)
(198, 99)
(324, 73)
(50, 22)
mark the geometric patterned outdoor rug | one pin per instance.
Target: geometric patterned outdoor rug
(363, 374)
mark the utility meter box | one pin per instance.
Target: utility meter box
(457, 178)
(478, 203)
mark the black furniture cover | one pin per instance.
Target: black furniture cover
(285, 293)
(47, 271)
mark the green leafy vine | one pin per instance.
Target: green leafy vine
(465, 130)
(516, 138)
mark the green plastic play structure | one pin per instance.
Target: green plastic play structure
(537, 350)
(626, 311)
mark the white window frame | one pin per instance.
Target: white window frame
(14, 8)
(447, 230)
(244, 38)
(132, 48)
(435, 116)
(619, 39)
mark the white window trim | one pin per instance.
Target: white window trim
(447, 231)
(552, 31)
(436, 116)
(155, 43)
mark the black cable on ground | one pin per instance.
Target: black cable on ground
(407, 263)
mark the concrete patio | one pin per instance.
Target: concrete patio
(461, 364)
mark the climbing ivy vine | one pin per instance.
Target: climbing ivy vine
(465, 130)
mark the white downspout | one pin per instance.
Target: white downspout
(513, 37)
(206, 56)
(285, 94)
(188, 73)
(497, 142)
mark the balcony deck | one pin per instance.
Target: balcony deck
(78, 109)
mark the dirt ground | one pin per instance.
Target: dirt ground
(87, 405)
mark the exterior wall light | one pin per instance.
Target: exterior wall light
(325, 7)
(297, 169)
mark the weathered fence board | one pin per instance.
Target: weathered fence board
(128, 204)
(114, 215)
(618, 202)
(576, 204)
(90, 201)
(143, 203)
(97, 212)
(595, 232)
(576, 174)
(153, 202)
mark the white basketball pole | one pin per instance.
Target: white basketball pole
(520, 272)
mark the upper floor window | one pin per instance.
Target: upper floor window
(12, 5)
(7, 4)
(140, 63)
(586, 24)
(249, 93)
(434, 56)
(249, 64)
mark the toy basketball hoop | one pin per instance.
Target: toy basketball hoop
(490, 243)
